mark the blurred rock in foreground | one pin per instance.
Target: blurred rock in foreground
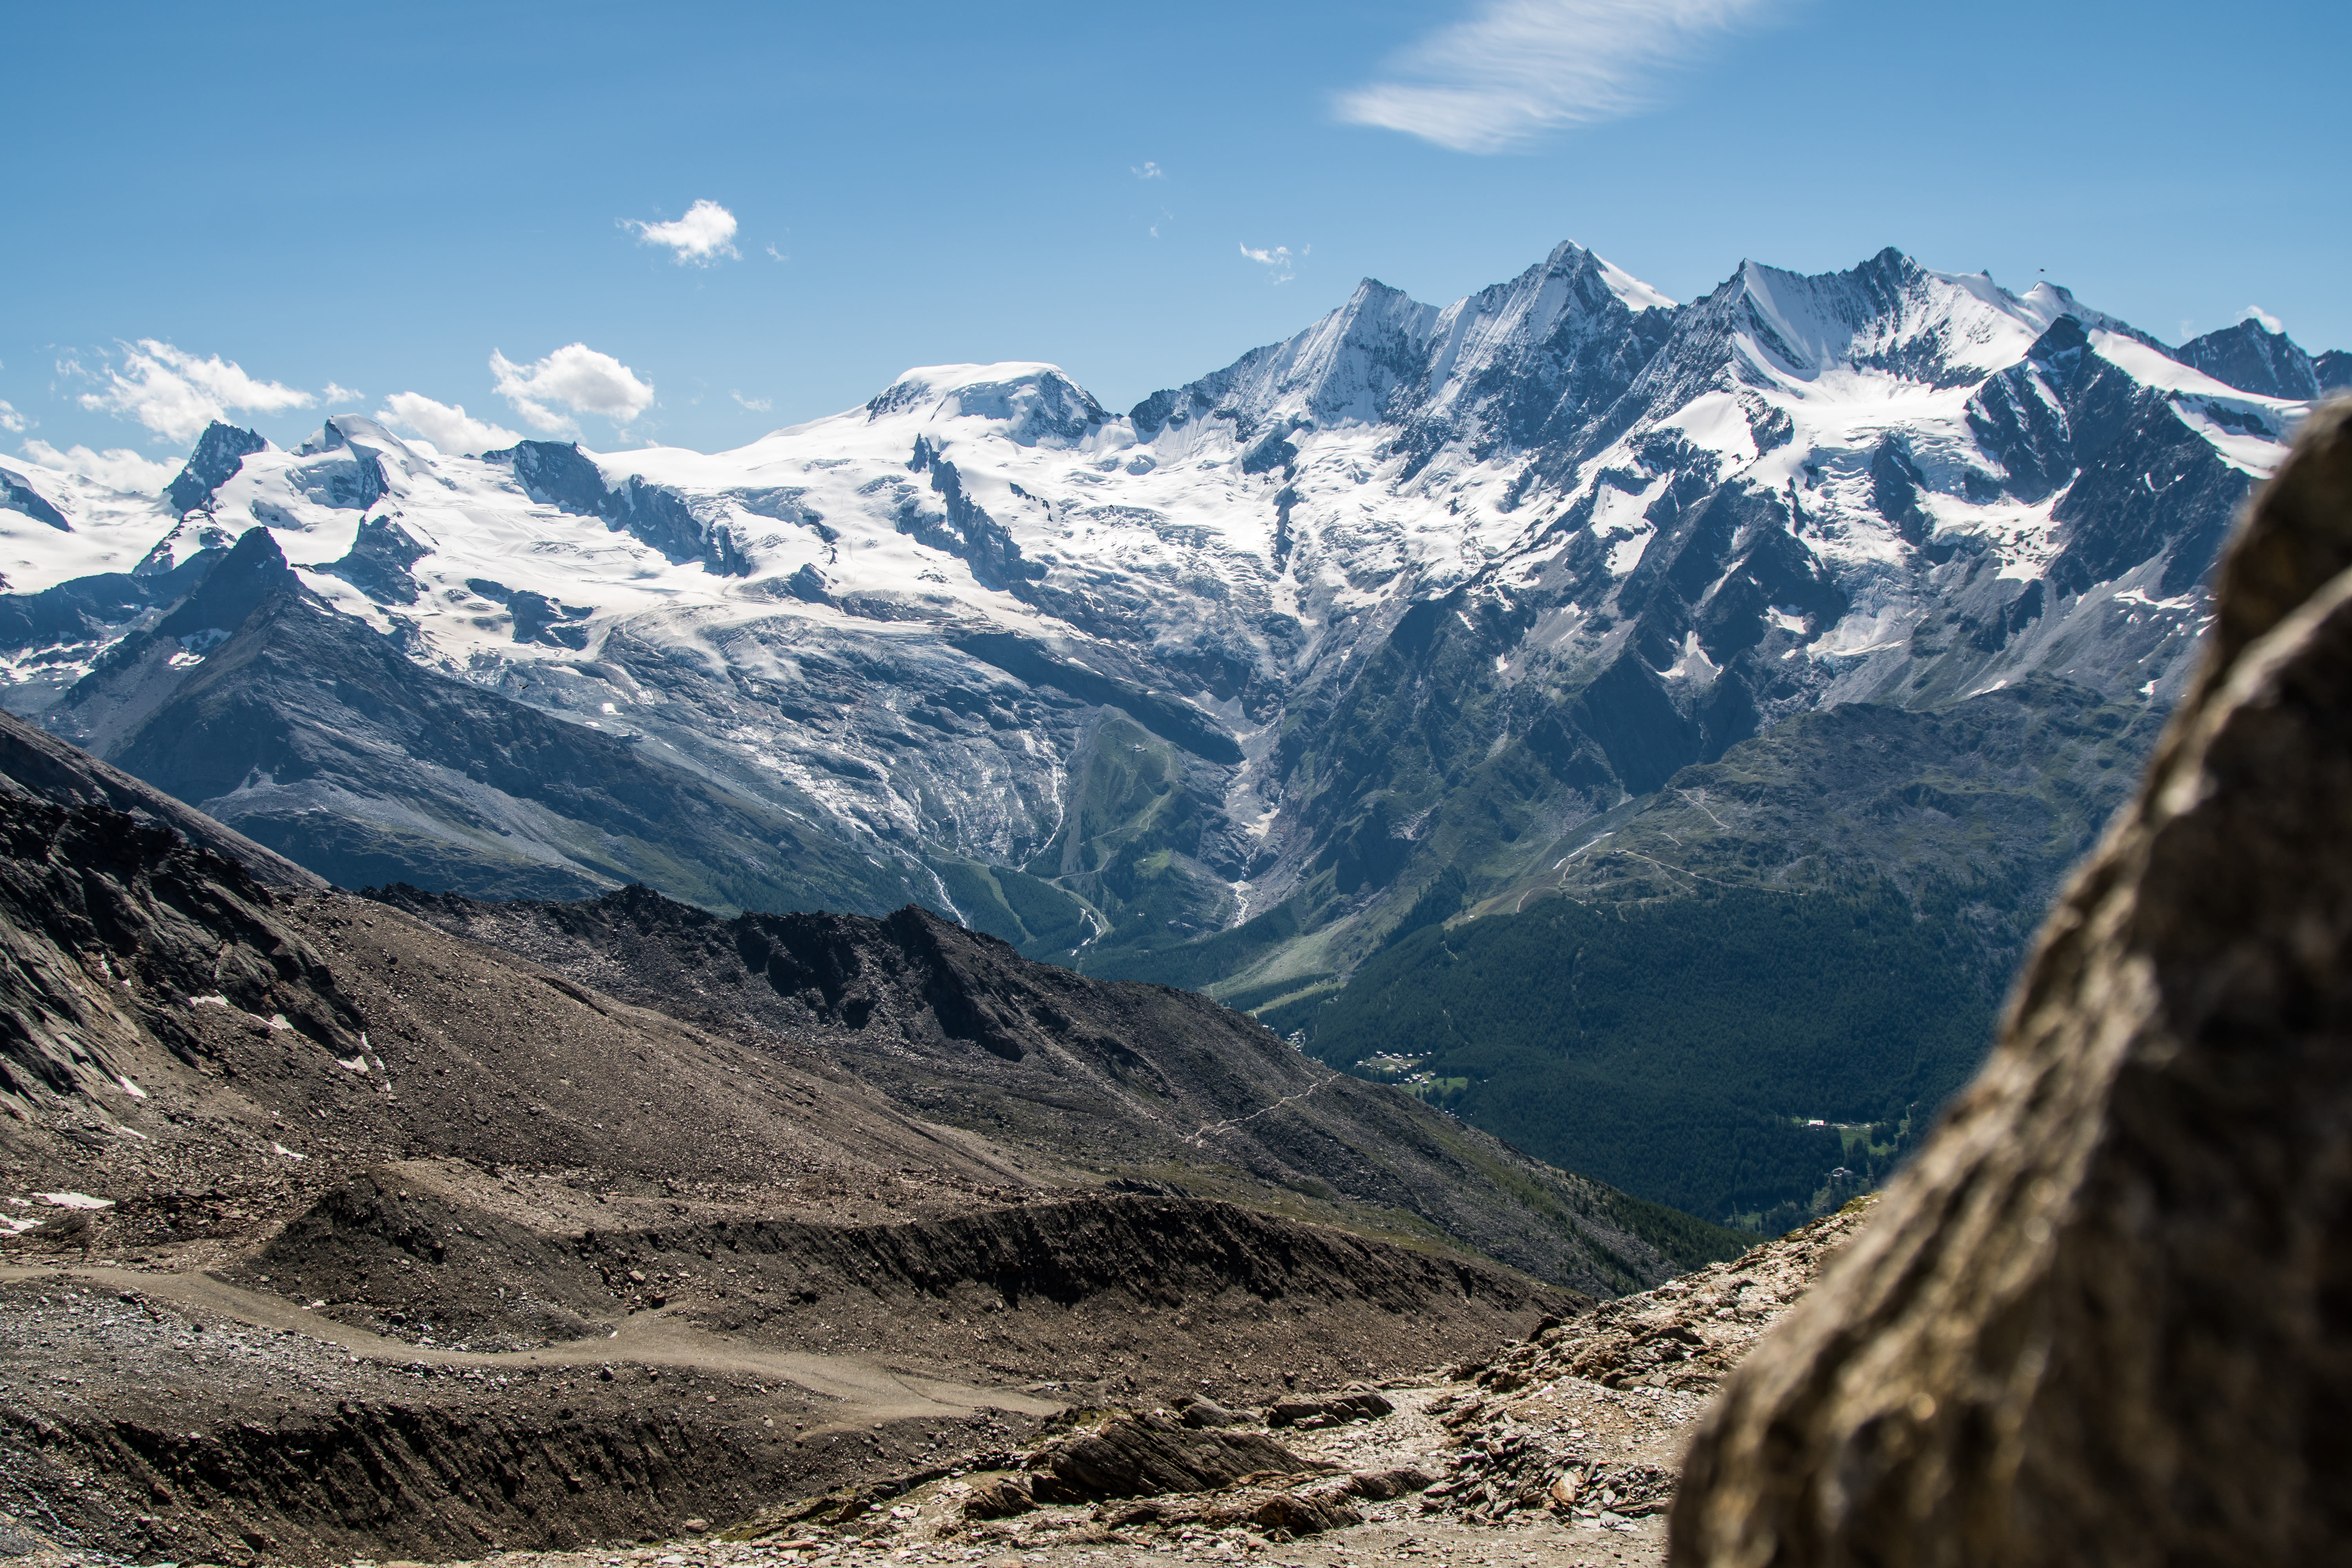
(2107, 1315)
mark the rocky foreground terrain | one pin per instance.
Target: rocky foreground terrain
(329, 1231)
(1558, 1448)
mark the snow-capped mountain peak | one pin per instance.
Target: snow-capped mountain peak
(1029, 404)
(1584, 532)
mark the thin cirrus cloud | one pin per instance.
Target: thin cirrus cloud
(177, 395)
(1520, 67)
(576, 378)
(756, 405)
(447, 424)
(116, 468)
(1280, 264)
(705, 234)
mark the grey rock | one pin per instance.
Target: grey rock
(2104, 1316)
(1145, 1456)
(998, 1497)
(1304, 1513)
(1201, 1413)
(1356, 1404)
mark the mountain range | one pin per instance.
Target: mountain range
(1812, 626)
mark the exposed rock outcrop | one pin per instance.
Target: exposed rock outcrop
(2104, 1317)
(1143, 1455)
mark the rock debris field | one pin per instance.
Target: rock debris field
(1558, 1449)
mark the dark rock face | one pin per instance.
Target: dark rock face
(81, 880)
(1356, 1405)
(559, 474)
(36, 763)
(18, 496)
(968, 531)
(378, 563)
(1146, 1456)
(84, 611)
(219, 452)
(2252, 358)
(556, 474)
(2104, 1317)
(1205, 1413)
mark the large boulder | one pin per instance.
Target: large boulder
(1145, 1456)
(2106, 1315)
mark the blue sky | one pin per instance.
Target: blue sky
(347, 203)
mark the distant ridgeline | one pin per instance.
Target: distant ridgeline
(1747, 994)
(1659, 1040)
(1647, 728)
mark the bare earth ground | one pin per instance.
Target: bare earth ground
(1556, 1450)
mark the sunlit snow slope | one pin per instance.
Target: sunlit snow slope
(1217, 687)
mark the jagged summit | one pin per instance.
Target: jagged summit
(218, 452)
(1504, 361)
(2252, 358)
(1108, 683)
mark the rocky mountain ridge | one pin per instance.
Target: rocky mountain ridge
(1422, 617)
(1263, 641)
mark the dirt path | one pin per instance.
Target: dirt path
(867, 1390)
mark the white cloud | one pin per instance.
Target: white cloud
(756, 405)
(116, 468)
(333, 392)
(447, 424)
(177, 395)
(1519, 67)
(2256, 313)
(10, 420)
(575, 377)
(705, 234)
(1279, 263)
(775, 255)
(1151, 170)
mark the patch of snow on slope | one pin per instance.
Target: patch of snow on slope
(1637, 295)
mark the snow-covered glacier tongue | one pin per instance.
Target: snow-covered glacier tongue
(1372, 626)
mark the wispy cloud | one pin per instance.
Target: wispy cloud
(1520, 67)
(177, 395)
(333, 393)
(116, 468)
(775, 255)
(756, 405)
(575, 377)
(1151, 170)
(2256, 313)
(1279, 263)
(447, 424)
(705, 234)
(10, 420)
